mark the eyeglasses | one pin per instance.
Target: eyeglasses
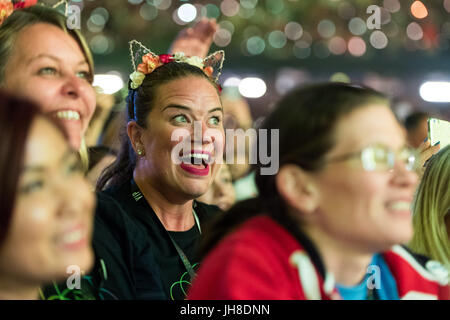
(381, 158)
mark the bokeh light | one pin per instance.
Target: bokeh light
(357, 26)
(293, 30)
(256, 45)
(252, 87)
(187, 12)
(337, 45)
(419, 10)
(392, 5)
(340, 77)
(326, 28)
(356, 46)
(414, 31)
(229, 8)
(378, 39)
(277, 39)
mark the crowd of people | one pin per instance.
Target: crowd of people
(154, 211)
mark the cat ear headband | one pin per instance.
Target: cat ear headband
(149, 61)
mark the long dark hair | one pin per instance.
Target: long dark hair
(16, 117)
(140, 102)
(306, 118)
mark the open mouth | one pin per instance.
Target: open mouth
(196, 163)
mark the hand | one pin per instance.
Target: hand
(426, 150)
(195, 41)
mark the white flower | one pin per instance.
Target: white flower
(179, 56)
(195, 61)
(137, 78)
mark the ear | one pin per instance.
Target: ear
(297, 189)
(134, 132)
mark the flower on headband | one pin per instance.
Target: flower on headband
(149, 63)
(137, 78)
(6, 9)
(195, 61)
(165, 58)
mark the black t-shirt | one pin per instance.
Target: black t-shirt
(125, 267)
(174, 276)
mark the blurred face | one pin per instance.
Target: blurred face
(48, 67)
(221, 193)
(418, 135)
(51, 224)
(179, 106)
(366, 209)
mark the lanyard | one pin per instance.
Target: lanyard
(183, 257)
(137, 195)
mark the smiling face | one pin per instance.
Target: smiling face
(179, 106)
(48, 67)
(52, 219)
(366, 209)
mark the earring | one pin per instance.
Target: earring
(140, 152)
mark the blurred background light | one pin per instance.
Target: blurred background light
(229, 8)
(232, 82)
(356, 46)
(252, 87)
(419, 10)
(277, 39)
(378, 39)
(326, 28)
(337, 45)
(392, 5)
(414, 31)
(187, 12)
(357, 26)
(108, 83)
(256, 45)
(340, 77)
(293, 30)
(435, 91)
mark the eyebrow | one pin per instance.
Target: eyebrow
(176, 106)
(40, 169)
(44, 55)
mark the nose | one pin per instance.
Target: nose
(72, 87)
(402, 176)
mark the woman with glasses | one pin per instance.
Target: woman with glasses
(331, 223)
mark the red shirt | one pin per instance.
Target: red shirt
(261, 260)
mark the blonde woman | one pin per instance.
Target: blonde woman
(431, 208)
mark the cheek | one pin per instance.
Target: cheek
(41, 92)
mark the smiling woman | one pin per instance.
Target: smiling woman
(174, 100)
(46, 206)
(43, 61)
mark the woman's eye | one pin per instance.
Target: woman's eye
(214, 121)
(84, 75)
(32, 187)
(47, 71)
(180, 119)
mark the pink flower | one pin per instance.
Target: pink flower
(165, 58)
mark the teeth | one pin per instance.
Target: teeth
(72, 237)
(68, 115)
(196, 156)
(200, 156)
(399, 205)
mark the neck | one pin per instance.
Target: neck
(347, 264)
(10, 289)
(174, 215)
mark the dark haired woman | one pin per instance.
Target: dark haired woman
(46, 205)
(169, 96)
(330, 223)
